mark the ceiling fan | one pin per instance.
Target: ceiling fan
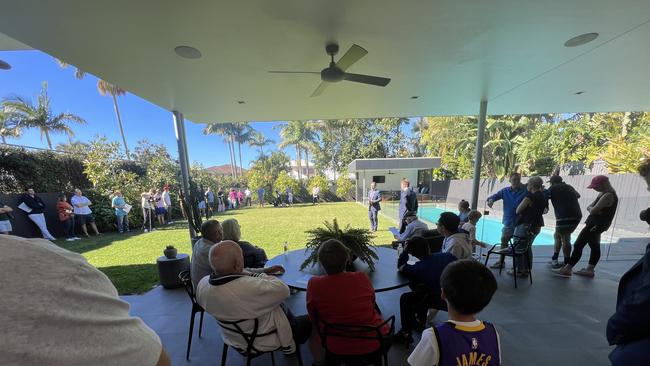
(335, 72)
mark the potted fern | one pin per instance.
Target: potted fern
(358, 241)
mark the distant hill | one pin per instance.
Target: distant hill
(222, 169)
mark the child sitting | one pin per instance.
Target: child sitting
(470, 227)
(467, 287)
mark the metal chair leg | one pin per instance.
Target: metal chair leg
(201, 324)
(530, 270)
(189, 337)
(224, 354)
(514, 267)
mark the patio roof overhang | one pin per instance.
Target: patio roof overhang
(450, 54)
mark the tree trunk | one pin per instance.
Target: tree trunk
(232, 166)
(47, 136)
(119, 123)
(234, 157)
(241, 162)
(299, 162)
(307, 161)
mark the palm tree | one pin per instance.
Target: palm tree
(7, 127)
(242, 134)
(290, 134)
(24, 113)
(257, 139)
(105, 88)
(225, 130)
(307, 140)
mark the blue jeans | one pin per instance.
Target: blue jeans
(633, 353)
(69, 227)
(122, 223)
(372, 215)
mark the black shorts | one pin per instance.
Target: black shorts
(566, 226)
(84, 219)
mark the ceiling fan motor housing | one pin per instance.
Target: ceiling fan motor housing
(332, 74)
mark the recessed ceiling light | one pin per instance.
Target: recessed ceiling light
(187, 52)
(579, 92)
(4, 65)
(415, 97)
(581, 39)
(241, 102)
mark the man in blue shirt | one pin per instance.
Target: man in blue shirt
(512, 197)
(424, 276)
(260, 196)
(373, 206)
(408, 201)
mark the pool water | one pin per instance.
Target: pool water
(488, 229)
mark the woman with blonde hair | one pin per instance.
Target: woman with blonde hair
(529, 223)
(254, 257)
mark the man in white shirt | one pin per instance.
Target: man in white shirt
(414, 227)
(58, 310)
(248, 195)
(147, 203)
(167, 203)
(82, 212)
(233, 293)
(315, 192)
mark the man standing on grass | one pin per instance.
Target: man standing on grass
(167, 203)
(260, 196)
(373, 206)
(82, 212)
(512, 197)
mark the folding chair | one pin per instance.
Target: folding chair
(186, 280)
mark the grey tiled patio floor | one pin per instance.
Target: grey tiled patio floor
(555, 321)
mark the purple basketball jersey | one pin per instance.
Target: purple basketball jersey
(463, 346)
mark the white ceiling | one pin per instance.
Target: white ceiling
(450, 53)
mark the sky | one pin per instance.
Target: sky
(140, 118)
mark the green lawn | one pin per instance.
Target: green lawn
(130, 260)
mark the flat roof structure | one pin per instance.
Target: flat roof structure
(393, 164)
(443, 56)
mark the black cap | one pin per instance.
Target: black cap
(555, 179)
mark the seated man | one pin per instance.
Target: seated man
(344, 298)
(232, 294)
(456, 241)
(212, 233)
(254, 257)
(59, 310)
(425, 283)
(414, 227)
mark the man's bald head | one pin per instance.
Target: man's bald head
(226, 258)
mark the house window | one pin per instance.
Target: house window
(379, 178)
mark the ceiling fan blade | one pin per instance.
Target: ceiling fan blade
(292, 72)
(367, 79)
(354, 54)
(319, 90)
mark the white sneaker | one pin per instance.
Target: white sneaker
(146, 231)
(76, 238)
(69, 239)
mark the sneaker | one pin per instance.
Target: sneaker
(497, 265)
(69, 239)
(146, 231)
(557, 265)
(76, 238)
(553, 262)
(562, 272)
(586, 273)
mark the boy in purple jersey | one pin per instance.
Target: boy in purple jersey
(467, 287)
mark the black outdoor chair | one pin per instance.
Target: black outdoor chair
(512, 251)
(378, 358)
(250, 352)
(186, 279)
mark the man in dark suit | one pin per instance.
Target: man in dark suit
(629, 327)
(408, 201)
(373, 206)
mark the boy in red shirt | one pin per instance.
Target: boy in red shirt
(342, 297)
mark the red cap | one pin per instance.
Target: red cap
(598, 181)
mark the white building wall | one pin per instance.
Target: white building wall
(392, 183)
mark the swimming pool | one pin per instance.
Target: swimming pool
(488, 229)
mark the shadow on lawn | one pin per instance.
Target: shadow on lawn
(132, 279)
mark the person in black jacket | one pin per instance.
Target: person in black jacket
(34, 210)
(629, 327)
